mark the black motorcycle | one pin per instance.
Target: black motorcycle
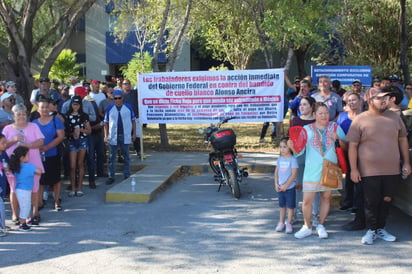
(223, 160)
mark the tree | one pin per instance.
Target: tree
(138, 64)
(371, 33)
(228, 30)
(65, 66)
(35, 28)
(165, 23)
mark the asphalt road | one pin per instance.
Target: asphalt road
(192, 228)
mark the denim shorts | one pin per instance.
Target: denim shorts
(288, 198)
(76, 145)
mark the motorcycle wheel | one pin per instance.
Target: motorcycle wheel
(214, 168)
(233, 183)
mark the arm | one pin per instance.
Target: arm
(353, 161)
(38, 171)
(59, 138)
(404, 150)
(288, 83)
(106, 131)
(290, 179)
(133, 130)
(87, 128)
(277, 188)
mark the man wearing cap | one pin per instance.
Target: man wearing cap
(119, 132)
(375, 160)
(11, 88)
(74, 83)
(95, 92)
(44, 89)
(6, 115)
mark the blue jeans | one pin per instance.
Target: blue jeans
(95, 155)
(113, 155)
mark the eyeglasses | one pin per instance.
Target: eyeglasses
(12, 99)
(124, 83)
(409, 88)
(117, 98)
(381, 98)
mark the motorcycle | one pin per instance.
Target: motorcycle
(223, 160)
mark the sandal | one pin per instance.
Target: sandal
(72, 194)
(58, 208)
(79, 193)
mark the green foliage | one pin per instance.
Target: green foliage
(220, 67)
(65, 66)
(228, 31)
(138, 64)
(370, 32)
(305, 23)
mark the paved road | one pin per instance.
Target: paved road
(191, 228)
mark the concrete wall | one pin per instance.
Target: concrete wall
(97, 23)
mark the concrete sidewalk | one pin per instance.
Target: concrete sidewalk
(162, 168)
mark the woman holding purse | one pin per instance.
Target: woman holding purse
(320, 145)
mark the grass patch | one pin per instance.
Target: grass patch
(186, 138)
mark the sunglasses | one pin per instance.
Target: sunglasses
(118, 98)
(126, 83)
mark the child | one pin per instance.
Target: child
(285, 182)
(4, 159)
(24, 173)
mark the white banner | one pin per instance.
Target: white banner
(207, 96)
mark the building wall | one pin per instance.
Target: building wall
(97, 23)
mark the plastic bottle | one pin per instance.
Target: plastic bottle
(133, 184)
(43, 156)
(404, 174)
(6, 167)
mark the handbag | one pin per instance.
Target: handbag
(331, 172)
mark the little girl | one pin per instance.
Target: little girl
(24, 173)
(285, 182)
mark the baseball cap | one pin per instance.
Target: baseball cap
(394, 78)
(76, 99)
(357, 81)
(375, 92)
(5, 96)
(117, 92)
(95, 82)
(81, 91)
(44, 79)
(10, 83)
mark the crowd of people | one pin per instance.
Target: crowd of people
(66, 126)
(369, 124)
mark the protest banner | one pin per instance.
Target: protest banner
(345, 74)
(207, 96)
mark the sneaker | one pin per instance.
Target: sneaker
(24, 227)
(29, 222)
(35, 221)
(385, 235)
(303, 232)
(280, 227)
(289, 229)
(262, 141)
(369, 237)
(321, 231)
(109, 181)
(2, 233)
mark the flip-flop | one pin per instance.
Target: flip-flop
(72, 194)
(79, 193)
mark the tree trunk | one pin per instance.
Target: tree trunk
(404, 43)
(300, 60)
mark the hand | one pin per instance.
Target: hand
(333, 136)
(277, 188)
(283, 188)
(355, 176)
(290, 144)
(406, 169)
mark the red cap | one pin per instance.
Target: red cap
(81, 91)
(95, 82)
